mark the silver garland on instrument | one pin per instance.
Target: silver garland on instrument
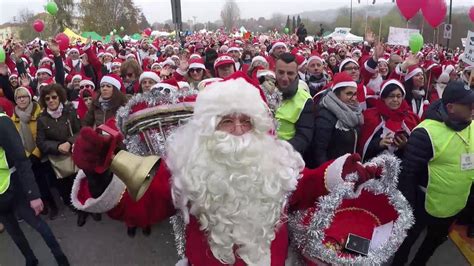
(149, 133)
(309, 239)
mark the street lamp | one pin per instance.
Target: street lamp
(350, 18)
(450, 11)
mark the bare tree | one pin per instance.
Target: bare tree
(230, 14)
(103, 16)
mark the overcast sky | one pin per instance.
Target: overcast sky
(205, 10)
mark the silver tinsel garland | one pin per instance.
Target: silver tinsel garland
(309, 239)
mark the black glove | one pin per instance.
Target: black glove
(98, 182)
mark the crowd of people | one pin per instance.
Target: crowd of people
(327, 98)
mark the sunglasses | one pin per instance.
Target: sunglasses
(130, 74)
(85, 86)
(355, 68)
(195, 70)
(163, 90)
(48, 98)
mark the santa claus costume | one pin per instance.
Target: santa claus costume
(232, 192)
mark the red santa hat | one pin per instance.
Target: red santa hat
(413, 71)
(259, 58)
(196, 63)
(117, 62)
(45, 59)
(194, 56)
(233, 48)
(168, 62)
(315, 56)
(345, 62)
(44, 69)
(342, 79)
(429, 64)
(300, 60)
(236, 94)
(86, 81)
(392, 82)
(114, 80)
(128, 56)
(155, 64)
(149, 75)
(73, 49)
(14, 74)
(223, 60)
(278, 44)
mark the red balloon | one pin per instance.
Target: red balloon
(63, 41)
(409, 8)
(471, 13)
(38, 25)
(434, 12)
(147, 31)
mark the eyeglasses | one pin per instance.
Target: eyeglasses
(48, 98)
(130, 74)
(85, 86)
(163, 90)
(397, 96)
(195, 70)
(230, 124)
(354, 68)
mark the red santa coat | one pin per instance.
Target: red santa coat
(376, 119)
(156, 205)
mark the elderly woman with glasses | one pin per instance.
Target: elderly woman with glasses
(109, 100)
(387, 125)
(57, 127)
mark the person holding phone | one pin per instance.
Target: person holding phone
(388, 125)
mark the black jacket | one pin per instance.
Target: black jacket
(328, 141)
(418, 152)
(53, 132)
(10, 141)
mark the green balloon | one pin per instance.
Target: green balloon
(115, 31)
(122, 29)
(287, 30)
(2, 55)
(52, 8)
(416, 42)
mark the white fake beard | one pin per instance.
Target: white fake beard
(236, 186)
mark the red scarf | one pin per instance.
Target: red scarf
(398, 116)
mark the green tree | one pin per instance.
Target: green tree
(293, 25)
(143, 22)
(298, 21)
(288, 25)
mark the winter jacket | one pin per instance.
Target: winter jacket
(35, 113)
(10, 141)
(418, 153)
(53, 132)
(95, 116)
(328, 141)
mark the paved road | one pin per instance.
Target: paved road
(106, 243)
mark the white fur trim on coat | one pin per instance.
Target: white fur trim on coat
(108, 200)
(230, 96)
(333, 174)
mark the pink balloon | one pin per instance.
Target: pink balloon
(147, 31)
(63, 41)
(471, 13)
(409, 8)
(38, 25)
(434, 12)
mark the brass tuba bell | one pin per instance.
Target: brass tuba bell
(135, 171)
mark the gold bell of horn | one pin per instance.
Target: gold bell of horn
(135, 171)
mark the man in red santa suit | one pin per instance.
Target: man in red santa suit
(232, 180)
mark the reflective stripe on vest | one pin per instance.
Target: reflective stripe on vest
(448, 186)
(289, 112)
(4, 169)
